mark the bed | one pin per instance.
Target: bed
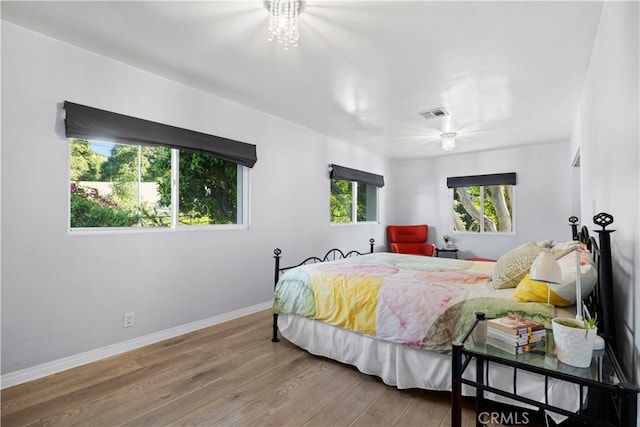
(395, 316)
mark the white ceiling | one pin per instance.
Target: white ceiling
(509, 73)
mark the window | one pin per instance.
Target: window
(122, 185)
(152, 174)
(341, 201)
(483, 203)
(354, 195)
(348, 197)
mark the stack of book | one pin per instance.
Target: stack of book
(516, 335)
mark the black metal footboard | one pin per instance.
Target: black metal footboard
(331, 255)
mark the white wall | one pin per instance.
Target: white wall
(64, 294)
(541, 206)
(607, 132)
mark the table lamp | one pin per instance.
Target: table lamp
(546, 269)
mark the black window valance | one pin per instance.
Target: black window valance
(348, 174)
(91, 123)
(480, 180)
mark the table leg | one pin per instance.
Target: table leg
(456, 386)
(479, 391)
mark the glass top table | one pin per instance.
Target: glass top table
(604, 369)
(604, 376)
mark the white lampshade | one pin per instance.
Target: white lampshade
(545, 269)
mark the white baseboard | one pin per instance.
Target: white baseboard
(39, 371)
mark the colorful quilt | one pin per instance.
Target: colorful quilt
(422, 302)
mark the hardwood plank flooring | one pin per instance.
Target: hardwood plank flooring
(228, 374)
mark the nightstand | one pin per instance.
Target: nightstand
(612, 400)
(454, 251)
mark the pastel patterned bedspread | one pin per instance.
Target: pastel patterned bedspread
(422, 302)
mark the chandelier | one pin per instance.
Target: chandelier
(283, 23)
(448, 141)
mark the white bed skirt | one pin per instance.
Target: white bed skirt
(405, 367)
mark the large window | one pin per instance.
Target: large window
(483, 208)
(152, 174)
(354, 195)
(118, 185)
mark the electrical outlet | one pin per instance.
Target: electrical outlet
(128, 319)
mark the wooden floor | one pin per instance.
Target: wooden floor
(228, 374)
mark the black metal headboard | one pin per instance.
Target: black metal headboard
(331, 255)
(600, 300)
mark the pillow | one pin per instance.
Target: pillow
(558, 247)
(512, 266)
(533, 291)
(564, 293)
(545, 243)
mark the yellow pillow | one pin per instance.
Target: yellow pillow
(533, 291)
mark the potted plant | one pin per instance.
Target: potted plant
(574, 339)
(448, 240)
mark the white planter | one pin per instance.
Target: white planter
(574, 346)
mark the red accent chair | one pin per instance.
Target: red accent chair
(410, 239)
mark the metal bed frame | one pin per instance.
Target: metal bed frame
(331, 255)
(600, 301)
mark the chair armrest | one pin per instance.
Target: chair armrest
(430, 249)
